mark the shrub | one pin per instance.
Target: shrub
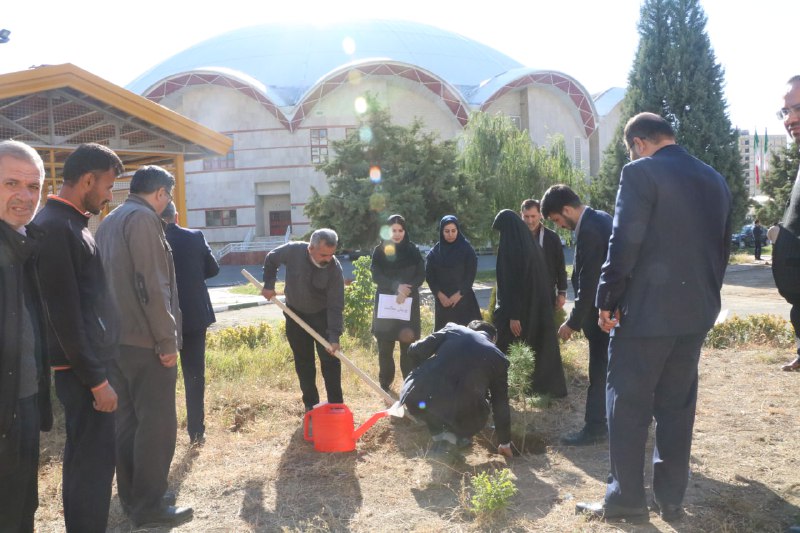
(241, 336)
(359, 300)
(491, 492)
(763, 330)
(522, 360)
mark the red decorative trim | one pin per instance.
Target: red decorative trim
(579, 98)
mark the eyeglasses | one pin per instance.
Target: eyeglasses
(168, 193)
(784, 113)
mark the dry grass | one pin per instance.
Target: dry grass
(256, 473)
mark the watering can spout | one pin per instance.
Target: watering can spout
(368, 424)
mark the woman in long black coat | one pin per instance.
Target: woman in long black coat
(398, 270)
(450, 269)
(524, 309)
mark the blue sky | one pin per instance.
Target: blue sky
(591, 40)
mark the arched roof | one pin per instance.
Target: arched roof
(290, 59)
(490, 91)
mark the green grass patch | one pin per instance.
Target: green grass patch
(251, 290)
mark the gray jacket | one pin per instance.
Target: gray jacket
(138, 263)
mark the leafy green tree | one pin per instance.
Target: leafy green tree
(675, 74)
(388, 169)
(503, 163)
(777, 184)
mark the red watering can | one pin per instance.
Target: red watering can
(330, 427)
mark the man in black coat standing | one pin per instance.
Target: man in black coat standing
(194, 263)
(592, 231)
(449, 390)
(83, 332)
(659, 292)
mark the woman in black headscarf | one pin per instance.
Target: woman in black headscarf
(450, 270)
(524, 309)
(398, 270)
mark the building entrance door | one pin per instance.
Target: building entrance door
(278, 222)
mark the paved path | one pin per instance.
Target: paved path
(748, 289)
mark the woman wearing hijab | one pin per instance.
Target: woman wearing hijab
(524, 309)
(450, 270)
(398, 270)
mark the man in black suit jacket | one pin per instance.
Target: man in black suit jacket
(592, 231)
(550, 243)
(452, 390)
(659, 292)
(194, 263)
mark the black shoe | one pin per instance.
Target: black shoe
(198, 439)
(613, 513)
(169, 498)
(446, 452)
(669, 512)
(163, 516)
(463, 442)
(586, 437)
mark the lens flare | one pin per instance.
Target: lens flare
(360, 105)
(349, 45)
(386, 233)
(354, 77)
(375, 174)
(377, 202)
(422, 405)
(365, 134)
(389, 250)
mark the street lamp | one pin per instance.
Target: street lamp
(4, 36)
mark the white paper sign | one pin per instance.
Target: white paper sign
(389, 308)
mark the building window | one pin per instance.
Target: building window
(220, 163)
(220, 217)
(577, 152)
(747, 150)
(319, 145)
(746, 142)
(516, 120)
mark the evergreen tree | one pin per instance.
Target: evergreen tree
(777, 184)
(675, 74)
(387, 169)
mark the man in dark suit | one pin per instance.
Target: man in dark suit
(592, 231)
(659, 292)
(550, 243)
(194, 263)
(452, 390)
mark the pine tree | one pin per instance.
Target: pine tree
(777, 184)
(676, 75)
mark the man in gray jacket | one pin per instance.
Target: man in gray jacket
(315, 291)
(141, 274)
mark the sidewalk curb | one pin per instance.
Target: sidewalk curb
(234, 307)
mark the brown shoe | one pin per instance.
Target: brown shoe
(794, 365)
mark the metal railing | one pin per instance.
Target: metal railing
(258, 244)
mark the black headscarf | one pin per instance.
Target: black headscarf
(450, 253)
(397, 254)
(522, 294)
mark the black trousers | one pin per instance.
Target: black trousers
(146, 427)
(193, 367)
(386, 361)
(757, 251)
(19, 489)
(794, 318)
(302, 345)
(595, 416)
(89, 457)
(651, 377)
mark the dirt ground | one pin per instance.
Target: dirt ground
(256, 473)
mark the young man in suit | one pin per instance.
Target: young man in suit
(592, 231)
(659, 292)
(194, 263)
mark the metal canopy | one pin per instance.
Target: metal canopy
(59, 107)
(56, 108)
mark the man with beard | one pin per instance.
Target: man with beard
(82, 333)
(315, 291)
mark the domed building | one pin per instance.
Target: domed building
(284, 92)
